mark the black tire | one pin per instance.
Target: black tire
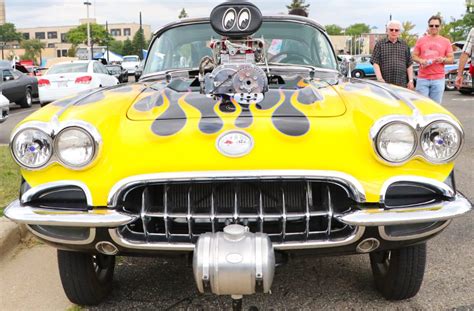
(359, 74)
(27, 101)
(86, 278)
(465, 92)
(398, 274)
(449, 86)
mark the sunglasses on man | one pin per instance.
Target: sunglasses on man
(434, 26)
(394, 30)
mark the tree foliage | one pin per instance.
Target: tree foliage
(458, 29)
(99, 35)
(139, 43)
(334, 30)
(8, 33)
(116, 47)
(357, 29)
(408, 37)
(32, 49)
(183, 14)
(128, 48)
(298, 4)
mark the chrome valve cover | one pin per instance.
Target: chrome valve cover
(234, 262)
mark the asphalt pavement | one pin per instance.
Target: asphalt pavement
(29, 279)
(16, 115)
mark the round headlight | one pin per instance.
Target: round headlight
(441, 141)
(75, 147)
(396, 142)
(32, 148)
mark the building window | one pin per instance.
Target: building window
(26, 35)
(39, 35)
(116, 32)
(58, 53)
(51, 45)
(64, 53)
(52, 35)
(127, 32)
(63, 38)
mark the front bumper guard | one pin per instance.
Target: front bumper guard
(370, 217)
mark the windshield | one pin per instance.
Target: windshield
(68, 68)
(285, 42)
(130, 59)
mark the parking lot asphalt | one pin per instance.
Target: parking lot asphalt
(305, 283)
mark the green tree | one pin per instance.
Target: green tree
(117, 47)
(138, 43)
(409, 38)
(458, 29)
(357, 29)
(8, 33)
(334, 30)
(298, 4)
(127, 48)
(183, 14)
(99, 35)
(72, 51)
(33, 49)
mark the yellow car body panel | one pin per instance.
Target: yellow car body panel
(337, 138)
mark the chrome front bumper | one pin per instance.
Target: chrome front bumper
(367, 218)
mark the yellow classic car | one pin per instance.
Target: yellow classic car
(241, 143)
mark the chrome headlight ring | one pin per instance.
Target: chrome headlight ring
(53, 130)
(418, 124)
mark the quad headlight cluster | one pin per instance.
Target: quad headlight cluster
(437, 139)
(74, 145)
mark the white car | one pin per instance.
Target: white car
(4, 108)
(131, 63)
(66, 79)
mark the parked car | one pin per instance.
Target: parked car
(68, 78)
(363, 67)
(118, 72)
(221, 155)
(4, 108)
(18, 87)
(131, 63)
(467, 86)
(139, 71)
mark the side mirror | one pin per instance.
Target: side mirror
(7, 78)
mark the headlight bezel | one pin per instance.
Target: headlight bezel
(461, 140)
(53, 129)
(418, 124)
(21, 130)
(415, 141)
(63, 161)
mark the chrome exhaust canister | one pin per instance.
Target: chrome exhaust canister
(234, 262)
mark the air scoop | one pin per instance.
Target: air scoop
(235, 262)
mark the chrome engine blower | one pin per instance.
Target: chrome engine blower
(235, 262)
(234, 71)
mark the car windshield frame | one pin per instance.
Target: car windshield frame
(293, 20)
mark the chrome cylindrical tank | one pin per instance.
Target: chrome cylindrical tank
(234, 262)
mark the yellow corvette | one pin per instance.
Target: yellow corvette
(241, 143)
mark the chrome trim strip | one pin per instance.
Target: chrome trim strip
(418, 123)
(385, 236)
(90, 239)
(356, 190)
(52, 129)
(119, 240)
(445, 189)
(427, 213)
(28, 195)
(41, 216)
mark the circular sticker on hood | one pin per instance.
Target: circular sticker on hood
(234, 143)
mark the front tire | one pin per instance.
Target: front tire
(398, 274)
(86, 278)
(359, 74)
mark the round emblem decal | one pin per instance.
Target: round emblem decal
(234, 143)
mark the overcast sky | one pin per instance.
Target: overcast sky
(33, 13)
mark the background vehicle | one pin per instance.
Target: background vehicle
(139, 71)
(65, 79)
(131, 63)
(118, 72)
(238, 159)
(363, 67)
(18, 87)
(467, 86)
(4, 108)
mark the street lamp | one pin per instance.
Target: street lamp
(89, 51)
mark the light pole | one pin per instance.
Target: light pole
(89, 51)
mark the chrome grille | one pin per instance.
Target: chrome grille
(286, 210)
